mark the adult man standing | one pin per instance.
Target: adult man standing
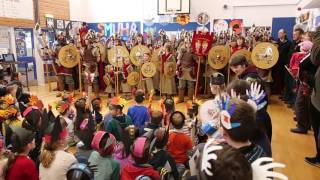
(289, 96)
(279, 70)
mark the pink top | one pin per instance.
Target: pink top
(117, 155)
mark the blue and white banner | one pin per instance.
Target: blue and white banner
(124, 29)
(191, 26)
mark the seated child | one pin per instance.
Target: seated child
(122, 151)
(156, 120)
(107, 168)
(139, 113)
(238, 126)
(54, 160)
(141, 156)
(19, 165)
(179, 143)
(161, 159)
(119, 120)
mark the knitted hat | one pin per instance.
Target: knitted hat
(21, 137)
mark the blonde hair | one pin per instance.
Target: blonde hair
(48, 154)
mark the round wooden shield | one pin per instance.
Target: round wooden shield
(133, 78)
(148, 69)
(116, 55)
(218, 57)
(136, 54)
(170, 69)
(243, 52)
(265, 55)
(69, 56)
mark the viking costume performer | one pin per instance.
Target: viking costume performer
(109, 79)
(146, 82)
(126, 69)
(90, 59)
(64, 73)
(186, 71)
(240, 45)
(168, 84)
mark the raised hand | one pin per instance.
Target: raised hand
(208, 154)
(261, 169)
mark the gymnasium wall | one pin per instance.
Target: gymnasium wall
(60, 9)
(252, 11)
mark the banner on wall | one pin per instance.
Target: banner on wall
(231, 25)
(173, 27)
(24, 42)
(124, 29)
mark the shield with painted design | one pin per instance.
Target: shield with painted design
(133, 78)
(116, 55)
(69, 56)
(148, 69)
(218, 57)
(136, 54)
(265, 55)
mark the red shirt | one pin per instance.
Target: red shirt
(131, 172)
(178, 146)
(295, 61)
(23, 168)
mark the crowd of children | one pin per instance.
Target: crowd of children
(143, 143)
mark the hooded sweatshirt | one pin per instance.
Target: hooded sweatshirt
(130, 172)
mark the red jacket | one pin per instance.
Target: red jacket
(131, 172)
(23, 168)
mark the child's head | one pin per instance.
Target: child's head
(162, 136)
(104, 143)
(238, 64)
(240, 41)
(117, 105)
(146, 56)
(126, 61)
(169, 104)
(55, 138)
(141, 150)
(130, 133)
(229, 165)
(241, 125)
(96, 104)
(193, 110)
(22, 140)
(217, 83)
(305, 46)
(80, 171)
(177, 119)
(156, 117)
(139, 97)
(240, 87)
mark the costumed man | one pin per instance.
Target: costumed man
(186, 70)
(90, 63)
(168, 84)
(64, 74)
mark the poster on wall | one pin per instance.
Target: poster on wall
(24, 43)
(123, 29)
(173, 28)
(228, 25)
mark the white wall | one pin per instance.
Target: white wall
(259, 12)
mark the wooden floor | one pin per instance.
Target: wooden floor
(287, 147)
